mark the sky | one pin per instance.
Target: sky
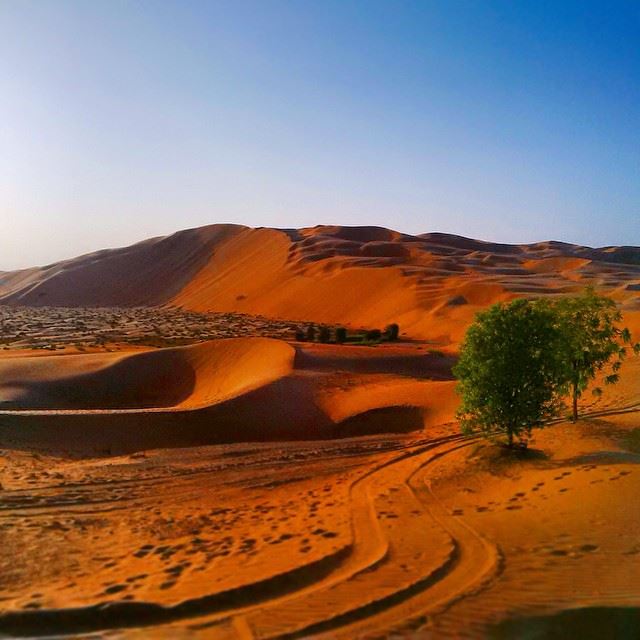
(509, 121)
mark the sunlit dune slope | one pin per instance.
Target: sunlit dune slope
(146, 273)
(183, 377)
(430, 284)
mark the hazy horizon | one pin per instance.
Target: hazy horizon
(496, 121)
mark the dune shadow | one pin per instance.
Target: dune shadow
(589, 623)
(396, 419)
(431, 366)
(145, 380)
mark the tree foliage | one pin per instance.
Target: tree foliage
(511, 371)
(341, 335)
(593, 342)
(392, 332)
(311, 333)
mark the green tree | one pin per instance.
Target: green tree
(392, 331)
(324, 335)
(311, 333)
(593, 341)
(373, 335)
(511, 375)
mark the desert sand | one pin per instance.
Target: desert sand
(224, 480)
(431, 284)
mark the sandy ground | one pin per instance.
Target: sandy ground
(419, 534)
(257, 487)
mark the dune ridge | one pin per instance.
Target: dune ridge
(431, 284)
(226, 390)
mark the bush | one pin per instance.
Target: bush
(324, 334)
(300, 335)
(373, 334)
(341, 335)
(311, 333)
(392, 332)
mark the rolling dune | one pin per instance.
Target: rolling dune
(430, 284)
(184, 377)
(219, 391)
(261, 488)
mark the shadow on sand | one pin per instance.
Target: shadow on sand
(589, 623)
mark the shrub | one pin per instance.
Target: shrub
(373, 335)
(300, 335)
(341, 335)
(392, 331)
(311, 333)
(324, 334)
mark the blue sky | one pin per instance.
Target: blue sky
(512, 121)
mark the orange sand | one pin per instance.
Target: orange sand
(359, 276)
(198, 492)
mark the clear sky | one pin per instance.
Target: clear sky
(504, 120)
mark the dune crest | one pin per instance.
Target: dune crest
(182, 377)
(431, 284)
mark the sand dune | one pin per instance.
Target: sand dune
(406, 536)
(220, 391)
(431, 284)
(185, 377)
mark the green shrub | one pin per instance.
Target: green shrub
(392, 332)
(324, 335)
(311, 333)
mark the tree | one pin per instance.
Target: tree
(511, 375)
(311, 333)
(373, 335)
(593, 341)
(391, 332)
(341, 335)
(324, 335)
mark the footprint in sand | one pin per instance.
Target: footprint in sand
(116, 588)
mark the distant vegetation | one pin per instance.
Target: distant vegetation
(340, 335)
(519, 361)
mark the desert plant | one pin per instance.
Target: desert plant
(300, 335)
(341, 335)
(511, 375)
(311, 333)
(324, 335)
(592, 340)
(392, 331)
(373, 335)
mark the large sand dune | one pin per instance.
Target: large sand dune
(360, 276)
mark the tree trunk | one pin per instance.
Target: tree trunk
(575, 403)
(510, 434)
